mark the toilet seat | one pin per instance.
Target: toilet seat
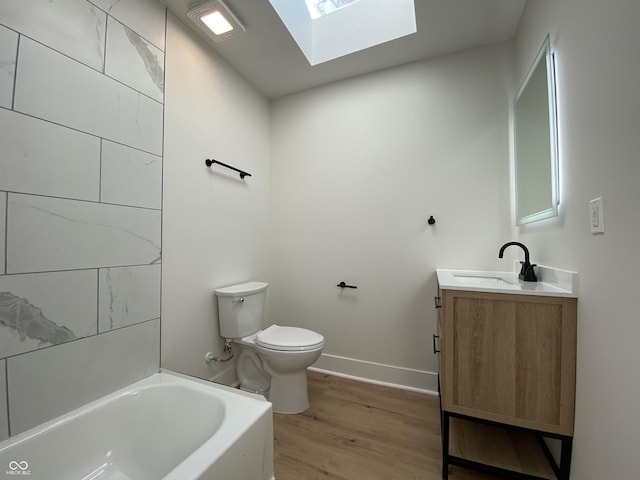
(289, 339)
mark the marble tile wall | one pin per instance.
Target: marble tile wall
(38, 156)
(81, 135)
(4, 420)
(78, 234)
(130, 176)
(140, 67)
(73, 95)
(8, 51)
(127, 355)
(3, 222)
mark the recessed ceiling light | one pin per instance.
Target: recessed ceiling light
(215, 19)
(216, 22)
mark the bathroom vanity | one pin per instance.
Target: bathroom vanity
(507, 356)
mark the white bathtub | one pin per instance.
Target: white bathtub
(167, 426)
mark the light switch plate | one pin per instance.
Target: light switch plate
(596, 215)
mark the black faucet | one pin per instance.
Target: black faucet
(527, 273)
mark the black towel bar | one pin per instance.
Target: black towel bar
(209, 162)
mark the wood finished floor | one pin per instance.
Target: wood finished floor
(359, 431)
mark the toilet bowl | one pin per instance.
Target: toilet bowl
(250, 370)
(272, 361)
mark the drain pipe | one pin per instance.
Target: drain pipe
(227, 352)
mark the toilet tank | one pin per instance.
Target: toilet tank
(241, 308)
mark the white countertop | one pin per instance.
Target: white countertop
(551, 282)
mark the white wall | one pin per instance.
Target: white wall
(358, 168)
(596, 45)
(214, 224)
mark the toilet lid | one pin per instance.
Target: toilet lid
(289, 338)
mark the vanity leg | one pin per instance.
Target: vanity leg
(445, 445)
(565, 458)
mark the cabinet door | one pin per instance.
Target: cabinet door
(510, 358)
(437, 338)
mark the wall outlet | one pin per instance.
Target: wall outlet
(596, 215)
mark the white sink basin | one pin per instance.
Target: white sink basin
(482, 280)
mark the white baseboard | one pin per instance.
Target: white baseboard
(378, 373)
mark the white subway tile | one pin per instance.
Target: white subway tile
(8, 53)
(73, 27)
(43, 309)
(128, 295)
(130, 177)
(52, 381)
(45, 234)
(134, 61)
(146, 17)
(4, 420)
(44, 158)
(3, 221)
(54, 87)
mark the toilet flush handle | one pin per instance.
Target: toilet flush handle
(238, 300)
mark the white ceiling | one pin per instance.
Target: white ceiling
(269, 58)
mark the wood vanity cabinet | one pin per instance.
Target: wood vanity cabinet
(507, 359)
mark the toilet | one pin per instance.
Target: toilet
(272, 361)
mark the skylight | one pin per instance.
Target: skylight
(319, 8)
(328, 29)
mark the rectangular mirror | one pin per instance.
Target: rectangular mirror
(535, 142)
